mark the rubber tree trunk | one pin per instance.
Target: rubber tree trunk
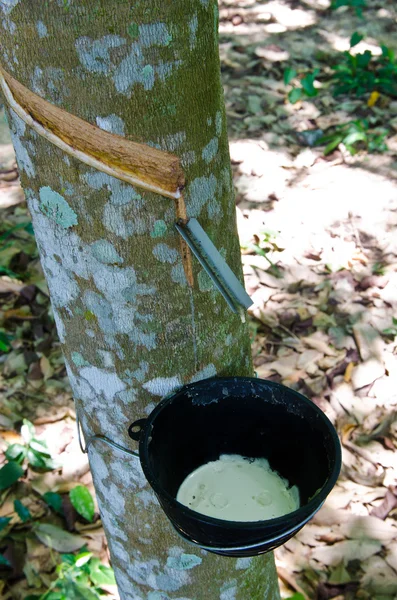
(131, 328)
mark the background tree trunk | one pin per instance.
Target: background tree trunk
(130, 327)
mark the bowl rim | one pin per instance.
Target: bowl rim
(274, 538)
(310, 508)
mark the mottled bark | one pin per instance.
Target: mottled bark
(130, 327)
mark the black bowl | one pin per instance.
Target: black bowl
(246, 416)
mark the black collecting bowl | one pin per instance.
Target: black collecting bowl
(246, 416)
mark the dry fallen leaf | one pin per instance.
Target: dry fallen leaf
(318, 341)
(11, 196)
(339, 575)
(285, 367)
(307, 360)
(364, 528)
(348, 373)
(368, 340)
(366, 373)
(391, 555)
(8, 285)
(57, 538)
(387, 505)
(46, 368)
(379, 577)
(345, 552)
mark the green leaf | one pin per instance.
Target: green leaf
(39, 446)
(35, 459)
(351, 149)
(308, 83)
(9, 474)
(58, 539)
(385, 51)
(5, 339)
(29, 228)
(354, 137)
(332, 145)
(69, 559)
(16, 452)
(23, 513)
(308, 87)
(82, 501)
(100, 574)
(8, 272)
(355, 39)
(4, 522)
(54, 501)
(40, 460)
(82, 558)
(4, 347)
(358, 5)
(289, 75)
(295, 95)
(392, 331)
(27, 431)
(80, 592)
(296, 596)
(9, 232)
(363, 61)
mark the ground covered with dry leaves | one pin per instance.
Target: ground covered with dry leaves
(318, 236)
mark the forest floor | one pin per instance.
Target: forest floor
(319, 244)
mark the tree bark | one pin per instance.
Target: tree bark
(131, 328)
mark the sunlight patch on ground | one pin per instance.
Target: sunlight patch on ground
(290, 18)
(342, 43)
(304, 208)
(249, 29)
(272, 53)
(275, 28)
(248, 21)
(317, 4)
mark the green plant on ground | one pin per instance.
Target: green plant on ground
(9, 474)
(33, 450)
(22, 511)
(56, 538)
(305, 86)
(80, 498)
(10, 247)
(83, 502)
(378, 268)
(265, 243)
(5, 341)
(80, 576)
(358, 5)
(364, 73)
(391, 331)
(354, 135)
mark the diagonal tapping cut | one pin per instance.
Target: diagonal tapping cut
(135, 163)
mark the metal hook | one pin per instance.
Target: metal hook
(101, 438)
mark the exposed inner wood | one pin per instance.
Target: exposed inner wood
(135, 163)
(181, 215)
(153, 167)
